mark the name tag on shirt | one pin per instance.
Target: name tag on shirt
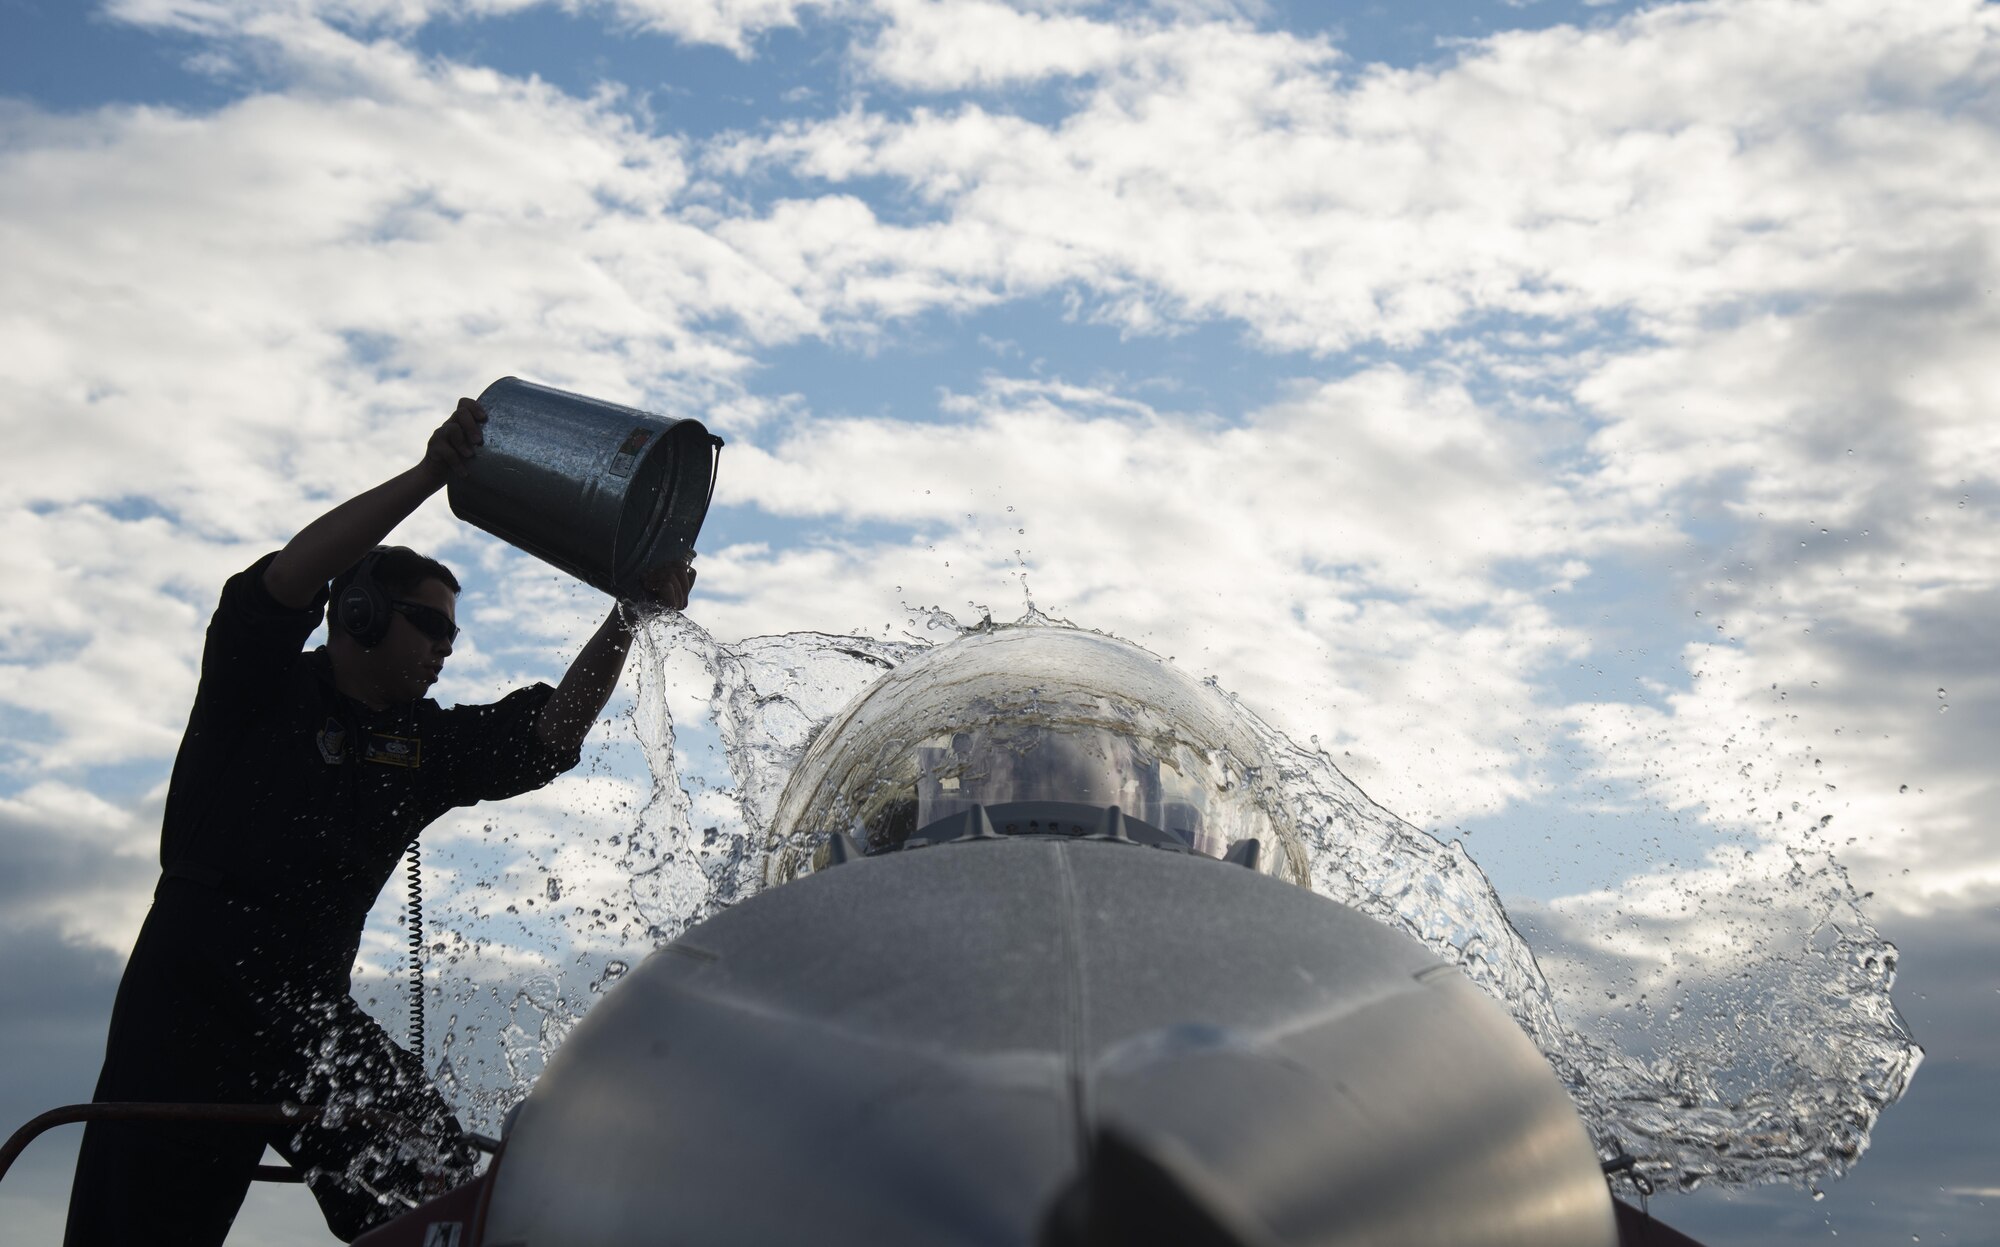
(392, 750)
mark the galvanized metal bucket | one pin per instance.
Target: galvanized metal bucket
(606, 493)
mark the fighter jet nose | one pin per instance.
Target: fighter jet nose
(1047, 1041)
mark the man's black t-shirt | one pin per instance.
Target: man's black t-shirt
(289, 806)
(291, 803)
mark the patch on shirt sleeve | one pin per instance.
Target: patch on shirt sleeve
(392, 750)
(332, 742)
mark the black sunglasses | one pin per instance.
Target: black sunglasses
(428, 620)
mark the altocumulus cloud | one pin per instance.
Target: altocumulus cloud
(1691, 309)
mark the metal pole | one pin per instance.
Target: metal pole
(208, 1114)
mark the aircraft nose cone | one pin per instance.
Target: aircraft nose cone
(932, 1047)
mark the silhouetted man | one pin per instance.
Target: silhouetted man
(301, 780)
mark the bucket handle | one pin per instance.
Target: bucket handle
(714, 471)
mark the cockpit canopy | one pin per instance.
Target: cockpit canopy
(1081, 764)
(1030, 714)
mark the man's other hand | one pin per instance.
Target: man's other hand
(666, 587)
(456, 441)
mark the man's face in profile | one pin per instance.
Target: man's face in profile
(411, 655)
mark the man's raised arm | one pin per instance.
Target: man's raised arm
(336, 541)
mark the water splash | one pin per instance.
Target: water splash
(769, 697)
(1767, 1062)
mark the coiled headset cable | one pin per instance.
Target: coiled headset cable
(414, 873)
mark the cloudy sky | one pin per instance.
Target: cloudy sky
(1579, 417)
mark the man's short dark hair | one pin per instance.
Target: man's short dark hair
(399, 570)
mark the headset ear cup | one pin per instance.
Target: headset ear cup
(363, 609)
(359, 618)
